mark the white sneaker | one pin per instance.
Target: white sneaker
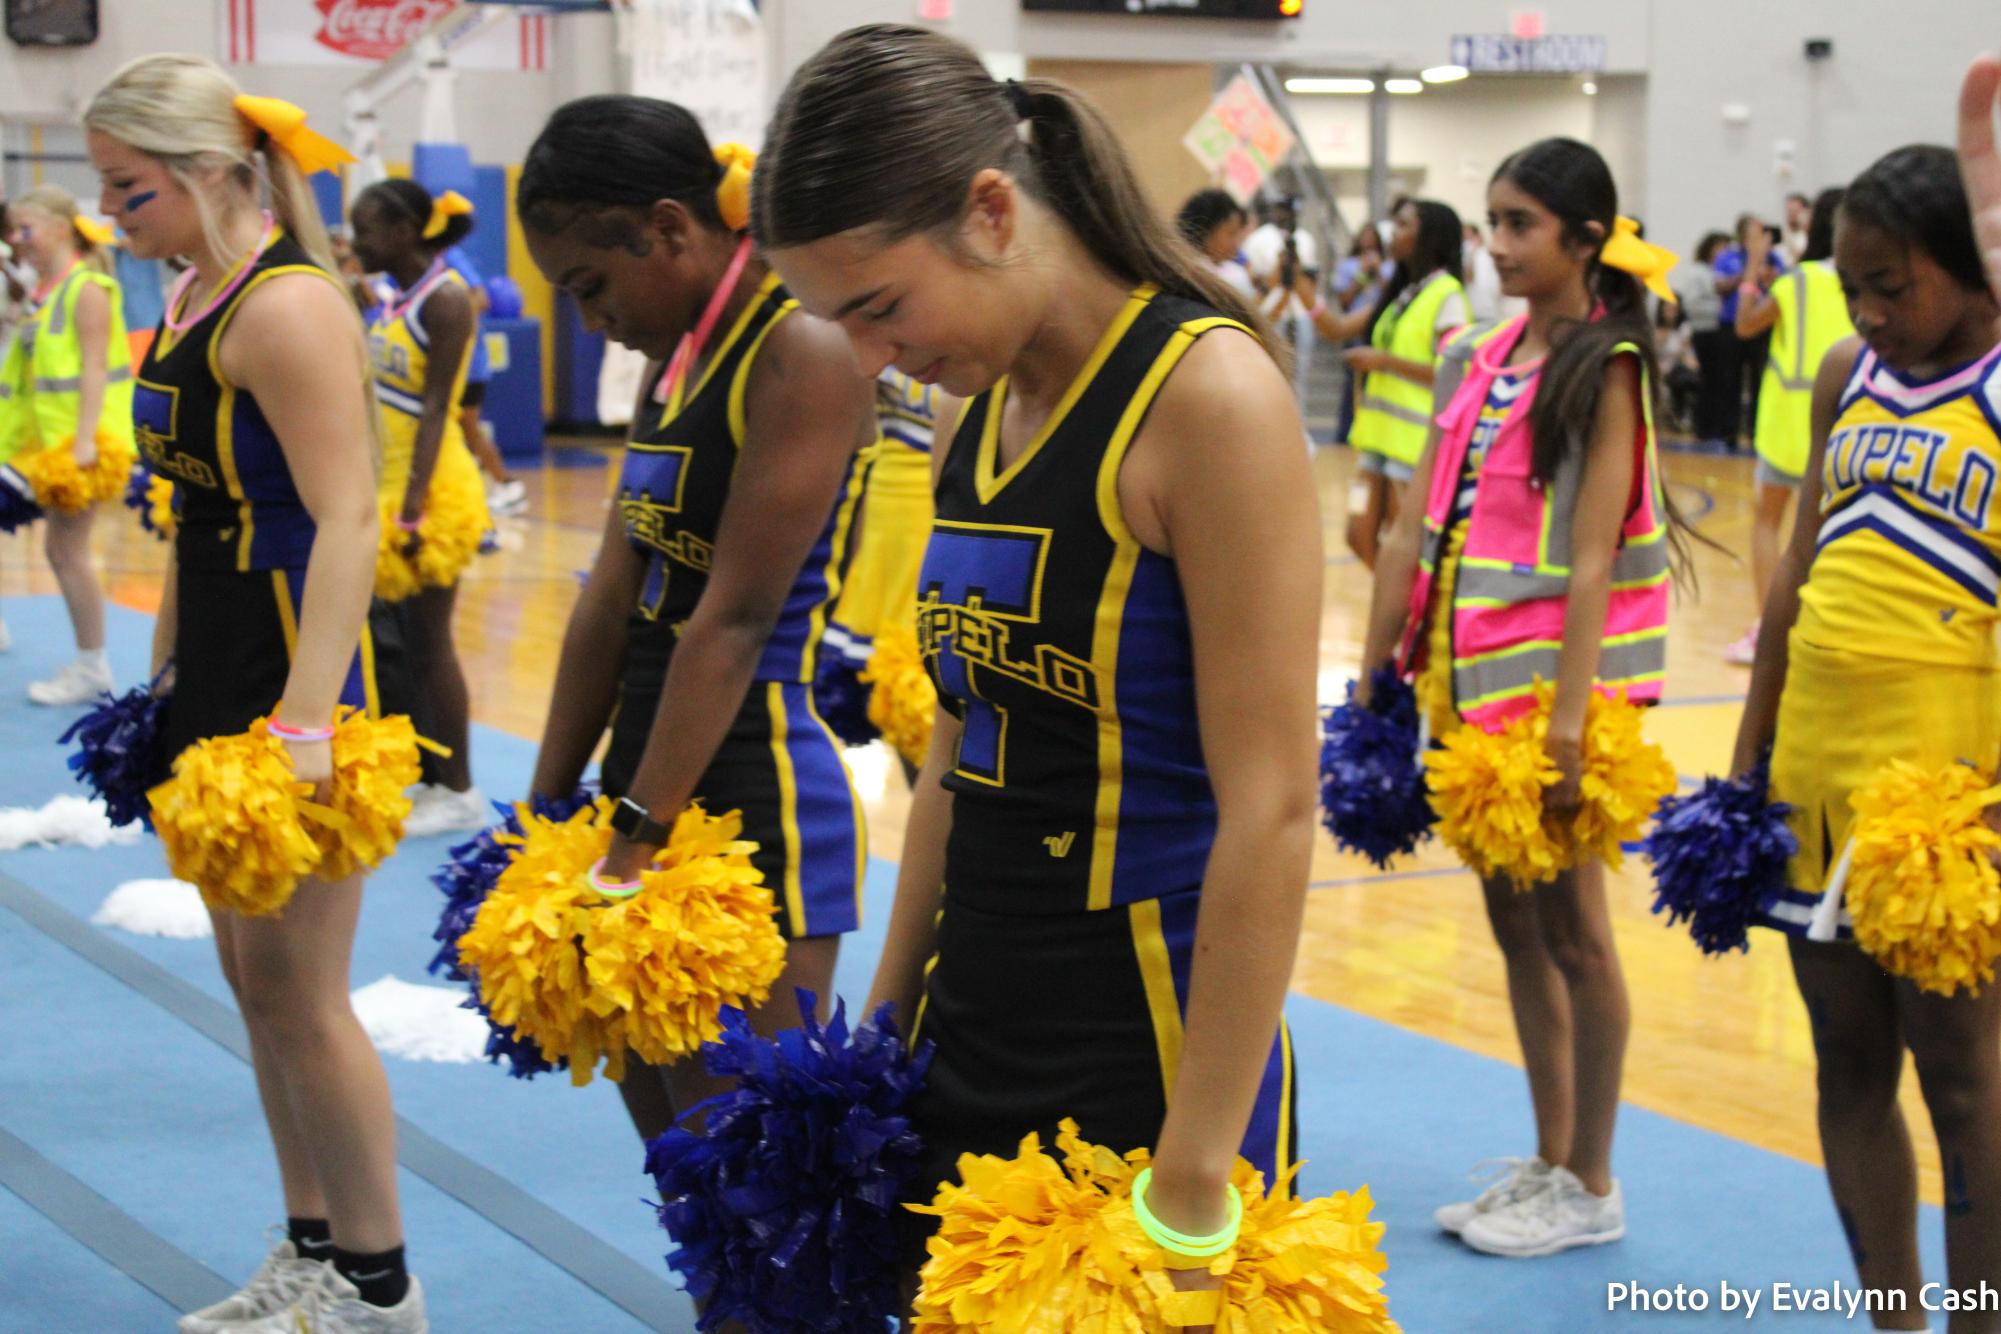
(1744, 652)
(280, 1279)
(1561, 1215)
(439, 810)
(73, 685)
(508, 497)
(333, 1306)
(1511, 1179)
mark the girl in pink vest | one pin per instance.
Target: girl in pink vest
(1542, 555)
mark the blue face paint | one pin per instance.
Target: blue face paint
(136, 202)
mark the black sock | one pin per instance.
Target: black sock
(380, 1278)
(310, 1237)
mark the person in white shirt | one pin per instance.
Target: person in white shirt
(1278, 254)
(1214, 224)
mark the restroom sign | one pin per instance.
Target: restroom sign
(1499, 53)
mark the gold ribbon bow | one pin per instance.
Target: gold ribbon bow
(733, 191)
(97, 233)
(285, 123)
(1643, 259)
(451, 204)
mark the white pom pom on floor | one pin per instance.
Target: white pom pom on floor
(169, 908)
(420, 1023)
(64, 822)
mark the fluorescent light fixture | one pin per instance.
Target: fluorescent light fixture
(1403, 86)
(1591, 88)
(1330, 85)
(1444, 74)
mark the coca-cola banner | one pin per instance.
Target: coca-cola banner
(358, 32)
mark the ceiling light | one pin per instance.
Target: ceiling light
(1330, 85)
(1403, 86)
(1590, 88)
(1444, 74)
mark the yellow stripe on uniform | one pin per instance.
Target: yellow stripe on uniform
(984, 479)
(1112, 606)
(1156, 972)
(369, 697)
(288, 617)
(1281, 1161)
(788, 806)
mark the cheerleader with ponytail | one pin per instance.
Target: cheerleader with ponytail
(1529, 592)
(434, 512)
(66, 415)
(254, 399)
(1875, 688)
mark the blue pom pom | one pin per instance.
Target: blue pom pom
(1719, 858)
(1372, 790)
(841, 700)
(17, 501)
(468, 876)
(121, 752)
(784, 1207)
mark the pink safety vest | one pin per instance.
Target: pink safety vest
(1514, 575)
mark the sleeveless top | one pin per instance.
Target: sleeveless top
(238, 507)
(1063, 645)
(676, 483)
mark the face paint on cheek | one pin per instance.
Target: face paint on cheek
(136, 202)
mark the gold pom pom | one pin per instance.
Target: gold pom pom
(61, 485)
(1030, 1244)
(1624, 778)
(454, 521)
(1922, 885)
(903, 703)
(229, 821)
(160, 506)
(1487, 788)
(589, 978)
(375, 762)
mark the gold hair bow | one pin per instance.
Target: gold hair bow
(451, 204)
(733, 191)
(97, 233)
(1646, 261)
(285, 123)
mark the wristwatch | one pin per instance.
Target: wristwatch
(631, 822)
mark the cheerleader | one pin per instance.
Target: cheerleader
(254, 399)
(420, 338)
(66, 384)
(1541, 475)
(701, 623)
(1101, 886)
(1878, 644)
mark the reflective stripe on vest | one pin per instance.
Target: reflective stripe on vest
(1393, 415)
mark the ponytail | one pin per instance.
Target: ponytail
(887, 126)
(296, 208)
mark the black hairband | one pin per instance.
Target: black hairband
(1021, 99)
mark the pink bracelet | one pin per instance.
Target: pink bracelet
(409, 525)
(1319, 309)
(612, 889)
(284, 733)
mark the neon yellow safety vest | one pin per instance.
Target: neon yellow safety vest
(1393, 415)
(1813, 317)
(41, 378)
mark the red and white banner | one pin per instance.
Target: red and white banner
(360, 32)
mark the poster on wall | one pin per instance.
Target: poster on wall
(1240, 139)
(362, 32)
(709, 56)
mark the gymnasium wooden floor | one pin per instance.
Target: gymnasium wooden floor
(1718, 1043)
